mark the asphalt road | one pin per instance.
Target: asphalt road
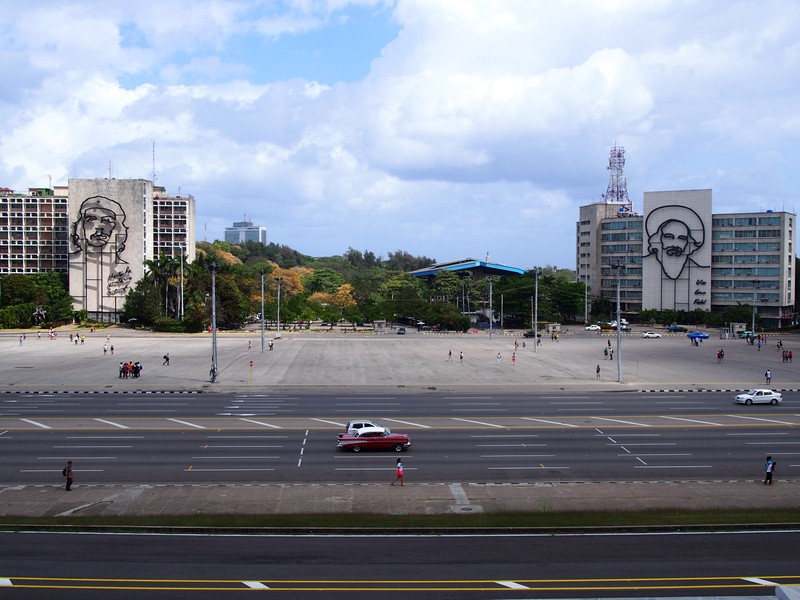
(490, 438)
(463, 567)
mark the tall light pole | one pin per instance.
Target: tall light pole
(491, 311)
(618, 266)
(536, 313)
(183, 249)
(755, 290)
(213, 322)
(262, 311)
(278, 330)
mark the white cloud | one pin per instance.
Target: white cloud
(481, 126)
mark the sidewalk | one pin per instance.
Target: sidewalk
(411, 499)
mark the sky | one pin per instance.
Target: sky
(443, 128)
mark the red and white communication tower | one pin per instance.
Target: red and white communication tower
(617, 192)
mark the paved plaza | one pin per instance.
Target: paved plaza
(367, 361)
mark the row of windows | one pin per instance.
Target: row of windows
(626, 294)
(16, 203)
(747, 259)
(30, 270)
(746, 247)
(746, 221)
(621, 237)
(622, 249)
(744, 284)
(745, 272)
(623, 283)
(37, 256)
(743, 297)
(622, 224)
(748, 234)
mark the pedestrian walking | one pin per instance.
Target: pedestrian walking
(249, 345)
(38, 335)
(769, 470)
(611, 354)
(461, 356)
(498, 358)
(513, 358)
(105, 349)
(605, 350)
(166, 360)
(112, 349)
(768, 376)
(398, 473)
(449, 356)
(270, 345)
(759, 345)
(67, 472)
(790, 356)
(597, 372)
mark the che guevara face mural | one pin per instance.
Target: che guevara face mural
(100, 233)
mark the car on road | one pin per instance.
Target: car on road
(745, 334)
(698, 335)
(592, 327)
(759, 396)
(401, 331)
(373, 438)
(530, 334)
(651, 334)
(677, 329)
(356, 425)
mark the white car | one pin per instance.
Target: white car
(356, 425)
(759, 397)
(592, 328)
(651, 334)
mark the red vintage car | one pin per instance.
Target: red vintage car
(374, 438)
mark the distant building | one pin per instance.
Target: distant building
(245, 231)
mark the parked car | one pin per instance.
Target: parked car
(356, 425)
(530, 334)
(698, 335)
(592, 328)
(759, 396)
(677, 329)
(374, 438)
(651, 334)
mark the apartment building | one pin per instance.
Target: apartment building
(678, 255)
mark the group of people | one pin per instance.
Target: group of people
(130, 369)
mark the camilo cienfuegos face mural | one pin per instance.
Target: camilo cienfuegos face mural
(100, 234)
(675, 234)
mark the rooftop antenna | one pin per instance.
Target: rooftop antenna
(617, 191)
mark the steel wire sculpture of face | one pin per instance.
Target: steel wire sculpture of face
(100, 224)
(675, 239)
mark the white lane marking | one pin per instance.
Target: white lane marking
(187, 423)
(623, 422)
(772, 443)
(480, 423)
(409, 423)
(245, 437)
(233, 457)
(517, 455)
(630, 435)
(5, 432)
(255, 585)
(77, 458)
(759, 434)
(759, 581)
(93, 447)
(760, 419)
(59, 470)
(693, 421)
(222, 470)
(651, 444)
(330, 422)
(535, 468)
(370, 469)
(513, 585)
(120, 425)
(675, 467)
(517, 445)
(105, 437)
(668, 454)
(42, 425)
(549, 422)
(260, 423)
(216, 446)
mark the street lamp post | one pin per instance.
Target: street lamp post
(213, 322)
(618, 266)
(755, 290)
(262, 311)
(491, 310)
(278, 329)
(536, 313)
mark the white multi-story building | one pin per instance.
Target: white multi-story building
(245, 231)
(680, 256)
(98, 231)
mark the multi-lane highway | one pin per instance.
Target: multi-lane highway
(482, 438)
